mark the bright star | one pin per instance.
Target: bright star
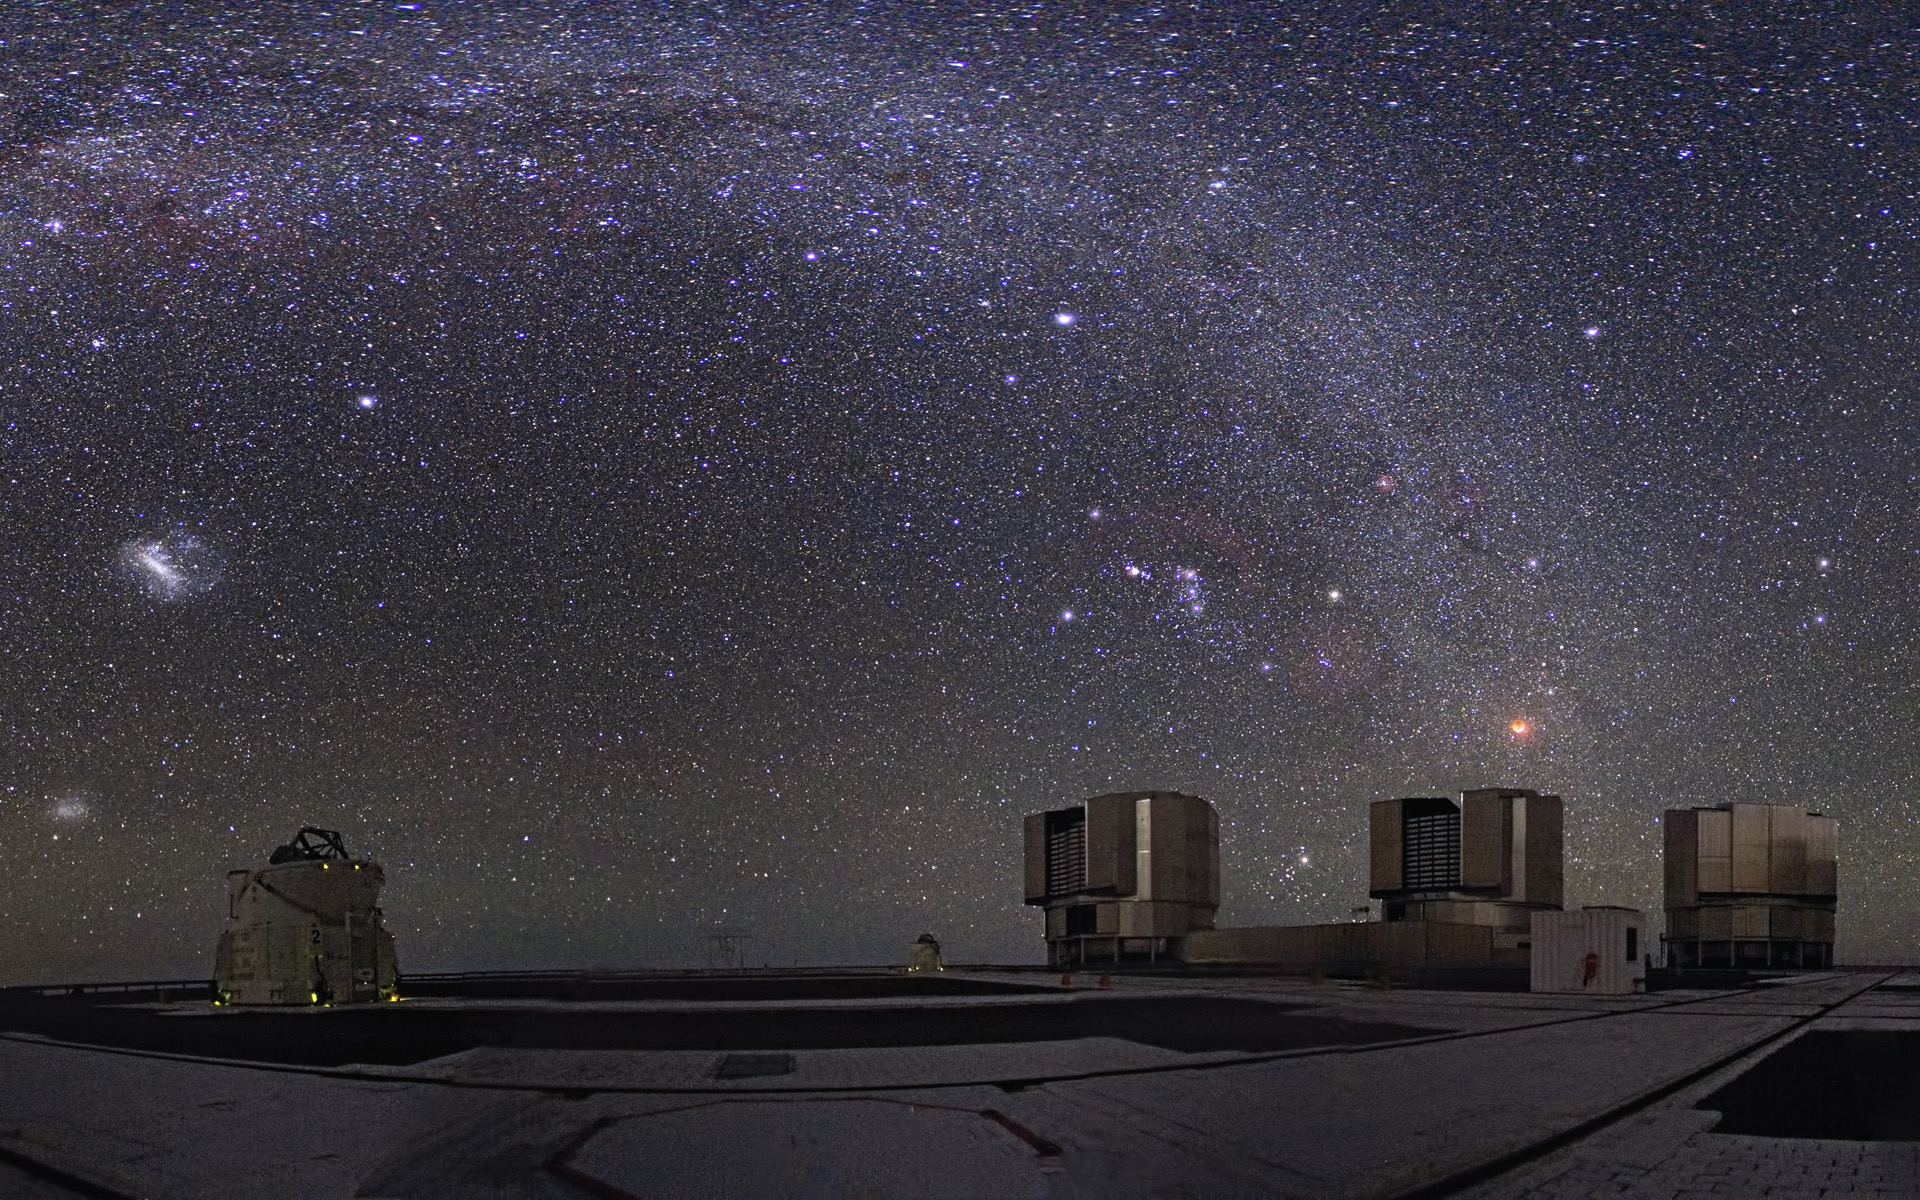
(1064, 318)
(368, 401)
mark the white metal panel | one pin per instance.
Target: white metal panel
(1517, 867)
(1787, 852)
(1752, 833)
(1823, 843)
(1716, 850)
(1143, 848)
(1563, 941)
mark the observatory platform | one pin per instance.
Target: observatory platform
(974, 1083)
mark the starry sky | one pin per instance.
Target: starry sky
(640, 470)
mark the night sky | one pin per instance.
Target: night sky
(642, 469)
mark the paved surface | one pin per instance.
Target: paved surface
(1669, 1151)
(1093, 1117)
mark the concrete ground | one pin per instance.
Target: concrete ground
(1670, 1151)
(1510, 1095)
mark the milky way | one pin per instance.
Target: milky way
(668, 469)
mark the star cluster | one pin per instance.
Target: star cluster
(643, 471)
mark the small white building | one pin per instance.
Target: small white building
(1599, 950)
(306, 929)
